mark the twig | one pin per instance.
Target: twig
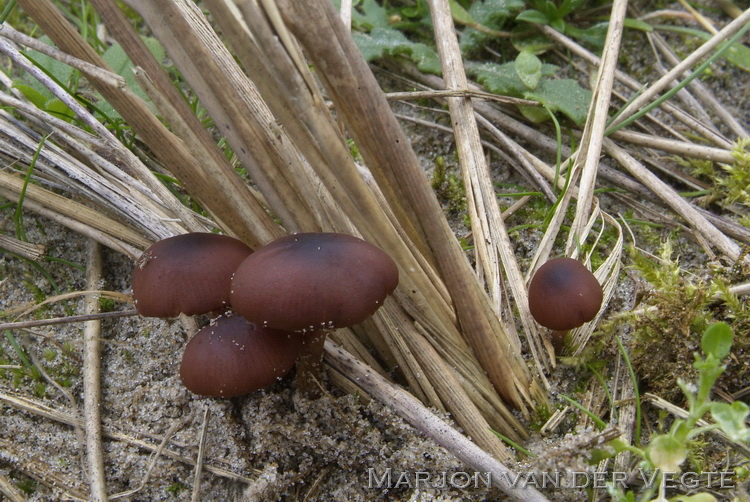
(459, 93)
(89, 69)
(196, 494)
(92, 378)
(66, 320)
(28, 250)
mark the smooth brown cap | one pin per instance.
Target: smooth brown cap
(232, 357)
(313, 281)
(564, 294)
(187, 274)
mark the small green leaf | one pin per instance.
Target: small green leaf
(666, 453)
(503, 78)
(532, 16)
(459, 14)
(731, 419)
(564, 96)
(548, 8)
(637, 24)
(535, 43)
(569, 6)
(369, 14)
(534, 114)
(59, 109)
(529, 69)
(594, 35)
(717, 340)
(558, 24)
(381, 42)
(37, 98)
(118, 61)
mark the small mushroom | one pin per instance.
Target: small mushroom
(188, 273)
(564, 294)
(232, 357)
(309, 281)
(313, 282)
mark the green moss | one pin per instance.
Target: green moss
(730, 183)
(107, 304)
(449, 187)
(668, 324)
(24, 483)
(176, 488)
(542, 414)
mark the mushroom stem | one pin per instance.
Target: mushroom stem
(558, 339)
(310, 363)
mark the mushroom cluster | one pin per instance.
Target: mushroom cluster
(277, 304)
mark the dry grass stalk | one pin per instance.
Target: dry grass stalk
(700, 53)
(682, 148)
(236, 211)
(674, 200)
(11, 492)
(491, 239)
(623, 395)
(65, 320)
(196, 493)
(386, 151)
(608, 275)
(92, 366)
(28, 250)
(41, 470)
(115, 184)
(707, 132)
(593, 133)
(700, 90)
(486, 222)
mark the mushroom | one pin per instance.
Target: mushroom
(313, 282)
(188, 273)
(563, 295)
(232, 357)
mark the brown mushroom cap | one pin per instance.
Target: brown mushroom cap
(311, 281)
(188, 274)
(231, 357)
(564, 294)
